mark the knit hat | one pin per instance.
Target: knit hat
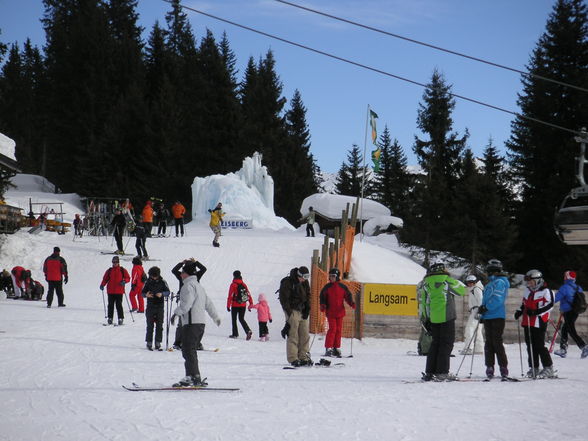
(154, 271)
(237, 274)
(189, 268)
(115, 259)
(570, 275)
(56, 250)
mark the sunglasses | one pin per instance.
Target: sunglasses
(304, 276)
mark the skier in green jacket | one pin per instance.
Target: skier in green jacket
(437, 308)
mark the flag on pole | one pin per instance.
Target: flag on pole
(375, 153)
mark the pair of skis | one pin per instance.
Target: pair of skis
(136, 388)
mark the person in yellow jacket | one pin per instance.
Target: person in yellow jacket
(216, 216)
(178, 211)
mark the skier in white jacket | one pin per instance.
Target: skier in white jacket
(475, 290)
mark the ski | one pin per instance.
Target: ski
(137, 388)
(111, 253)
(316, 365)
(199, 350)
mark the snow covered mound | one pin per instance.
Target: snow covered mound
(331, 206)
(7, 146)
(380, 224)
(247, 194)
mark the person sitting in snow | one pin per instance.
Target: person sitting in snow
(263, 316)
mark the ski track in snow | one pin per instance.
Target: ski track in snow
(63, 371)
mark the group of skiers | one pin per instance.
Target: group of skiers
(437, 294)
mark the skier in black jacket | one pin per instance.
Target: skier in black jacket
(119, 223)
(155, 290)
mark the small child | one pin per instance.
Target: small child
(263, 316)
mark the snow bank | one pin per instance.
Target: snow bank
(381, 223)
(331, 206)
(7, 146)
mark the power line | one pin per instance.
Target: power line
(390, 34)
(373, 69)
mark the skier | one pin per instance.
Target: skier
(127, 208)
(162, 215)
(535, 308)
(177, 272)
(263, 316)
(138, 278)
(193, 303)
(147, 216)
(155, 290)
(310, 219)
(437, 301)
(78, 226)
(55, 269)
(115, 279)
(565, 295)
(476, 343)
(21, 281)
(216, 216)
(119, 223)
(295, 301)
(178, 211)
(141, 240)
(493, 313)
(236, 303)
(332, 296)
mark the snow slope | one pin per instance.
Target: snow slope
(62, 370)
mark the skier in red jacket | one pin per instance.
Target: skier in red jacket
(332, 296)
(236, 302)
(138, 279)
(115, 279)
(55, 270)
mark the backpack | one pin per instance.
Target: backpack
(579, 302)
(241, 295)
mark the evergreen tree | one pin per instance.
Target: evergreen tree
(542, 158)
(350, 175)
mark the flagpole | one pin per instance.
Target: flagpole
(363, 176)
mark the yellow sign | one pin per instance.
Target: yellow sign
(380, 298)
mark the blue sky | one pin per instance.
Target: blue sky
(337, 94)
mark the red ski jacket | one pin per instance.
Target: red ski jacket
(233, 290)
(55, 268)
(137, 279)
(332, 297)
(112, 280)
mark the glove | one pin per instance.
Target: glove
(270, 320)
(133, 286)
(249, 309)
(65, 280)
(482, 309)
(427, 326)
(305, 316)
(217, 322)
(518, 313)
(228, 309)
(173, 319)
(122, 283)
(285, 330)
(101, 288)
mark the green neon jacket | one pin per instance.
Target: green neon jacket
(437, 297)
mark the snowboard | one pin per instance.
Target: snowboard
(137, 388)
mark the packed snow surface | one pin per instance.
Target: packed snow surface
(62, 370)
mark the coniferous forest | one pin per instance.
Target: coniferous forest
(101, 112)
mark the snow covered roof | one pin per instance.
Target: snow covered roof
(331, 206)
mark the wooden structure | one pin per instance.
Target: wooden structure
(10, 219)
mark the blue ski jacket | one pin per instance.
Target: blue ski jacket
(494, 297)
(565, 295)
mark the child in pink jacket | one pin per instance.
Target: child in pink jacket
(263, 316)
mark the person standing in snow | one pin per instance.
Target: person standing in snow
(332, 296)
(437, 303)
(565, 295)
(177, 272)
(237, 302)
(115, 279)
(138, 278)
(295, 301)
(140, 240)
(264, 315)
(162, 215)
(119, 223)
(310, 219)
(178, 211)
(156, 291)
(216, 217)
(476, 343)
(493, 314)
(78, 226)
(535, 308)
(147, 216)
(55, 269)
(193, 303)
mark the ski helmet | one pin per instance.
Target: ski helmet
(437, 266)
(494, 266)
(471, 278)
(535, 275)
(334, 272)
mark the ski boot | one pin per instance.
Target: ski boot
(584, 351)
(329, 352)
(426, 376)
(120, 322)
(148, 345)
(200, 382)
(490, 371)
(336, 352)
(187, 381)
(547, 372)
(504, 372)
(158, 347)
(109, 321)
(562, 352)
(533, 372)
(249, 334)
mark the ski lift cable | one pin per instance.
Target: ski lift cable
(432, 46)
(373, 69)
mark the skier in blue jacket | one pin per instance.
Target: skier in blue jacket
(493, 314)
(565, 297)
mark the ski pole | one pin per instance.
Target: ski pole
(474, 348)
(129, 305)
(528, 328)
(557, 326)
(465, 352)
(104, 303)
(520, 349)
(167, 323)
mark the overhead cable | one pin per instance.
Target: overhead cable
(373, 69)
(390, 34)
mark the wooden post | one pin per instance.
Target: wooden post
(325, 254)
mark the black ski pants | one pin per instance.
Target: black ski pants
(57, 287)
(191, 337)
(443, 338)
(154, 317)
(309, 230)
(140, 246)
(118, 238)
(239, 311)
(115, 300)
(162, 227)
(263, 329)
(536, 350)
(179, 222)
(494, 347)
(569, 327)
